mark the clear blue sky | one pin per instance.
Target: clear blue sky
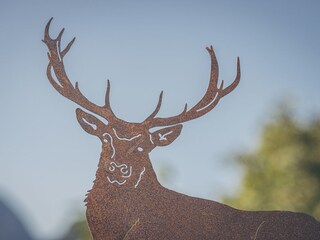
(47, 162)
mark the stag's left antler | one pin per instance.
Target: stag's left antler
(206, 104)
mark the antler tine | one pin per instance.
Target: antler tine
(235, 83)
(63, 84)
(155, 112)
(208, 101)
(107, 97)
(214, 75)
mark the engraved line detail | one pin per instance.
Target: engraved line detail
(163, 137)
(111, 141)
(130, 172)
(200, 109)
(135, 186)
(115, 181)
(150, 136)
(125, 139)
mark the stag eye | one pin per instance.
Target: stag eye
(140, 149)
(105, 137)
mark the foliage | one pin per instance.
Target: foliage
(283, 172)
(79, 230)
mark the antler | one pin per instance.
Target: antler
(64, 86)
(206, 104)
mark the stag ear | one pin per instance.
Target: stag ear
(165, 136)
(89, 123)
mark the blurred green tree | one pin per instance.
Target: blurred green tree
(79, 230)
(283, 172)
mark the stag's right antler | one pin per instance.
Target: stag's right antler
(206, 104)
(64, 86)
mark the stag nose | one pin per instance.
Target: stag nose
(121, 169)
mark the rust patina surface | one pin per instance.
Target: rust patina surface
(127, 201)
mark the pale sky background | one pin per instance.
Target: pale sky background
(47, 162)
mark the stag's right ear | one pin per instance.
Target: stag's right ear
(89, 123)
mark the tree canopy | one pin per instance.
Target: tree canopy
(283, 171)
(78, 230)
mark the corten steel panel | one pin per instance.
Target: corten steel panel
(127, 201)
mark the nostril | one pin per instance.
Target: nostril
(140, 149)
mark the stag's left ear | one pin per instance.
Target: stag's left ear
(165, 136)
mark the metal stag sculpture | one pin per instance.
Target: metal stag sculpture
(127, 201)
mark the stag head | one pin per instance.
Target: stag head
(126, 146)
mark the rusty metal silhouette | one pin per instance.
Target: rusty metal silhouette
(127, 201)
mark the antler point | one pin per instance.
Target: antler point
(185, 107)
(49, 22)
(221, 85)
(238, 64)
